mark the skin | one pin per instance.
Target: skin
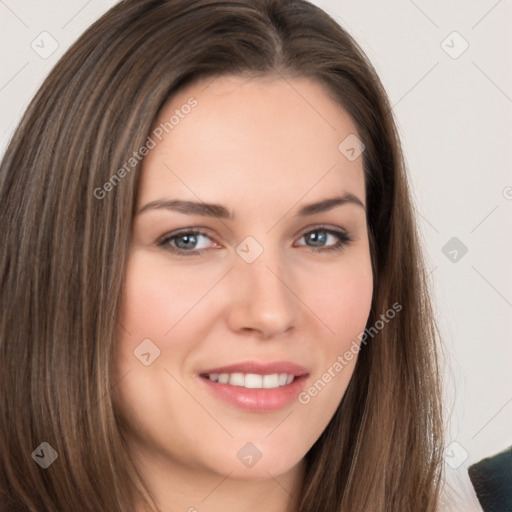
(263, 148)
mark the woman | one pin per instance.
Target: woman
(213, 296)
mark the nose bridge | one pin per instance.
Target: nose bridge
(261, 266)
(263, 299)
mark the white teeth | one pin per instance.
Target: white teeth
(236, 379)
(252, 380)
(271, 381)
(223, 378)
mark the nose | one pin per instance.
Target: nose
(263, 299)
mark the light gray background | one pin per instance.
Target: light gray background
(454, 114)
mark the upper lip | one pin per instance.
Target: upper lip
(259, 368)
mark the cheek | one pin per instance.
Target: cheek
(343, 304)
(343, 301)
(343, 307)
(156, 298)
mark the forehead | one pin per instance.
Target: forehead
(235, 137)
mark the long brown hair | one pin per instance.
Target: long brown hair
(64, 248)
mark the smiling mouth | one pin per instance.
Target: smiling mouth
(254, 393)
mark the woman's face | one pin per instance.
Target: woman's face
(268, 283)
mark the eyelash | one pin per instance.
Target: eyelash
(344, 239)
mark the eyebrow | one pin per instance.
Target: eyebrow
(217, 210)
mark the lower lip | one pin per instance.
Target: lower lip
(260, 399)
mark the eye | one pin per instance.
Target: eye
(191, 241)
(185, 242)
(320, 235)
